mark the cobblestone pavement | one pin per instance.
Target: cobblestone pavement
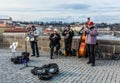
(72, 70)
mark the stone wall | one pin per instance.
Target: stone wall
(107, 46)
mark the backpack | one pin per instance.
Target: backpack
(20, 59)
(17, 60)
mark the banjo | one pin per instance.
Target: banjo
(31, 37)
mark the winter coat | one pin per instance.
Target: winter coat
(91, 35)
(54, 39)
(68, 35)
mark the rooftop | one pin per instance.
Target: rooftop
(16, 30)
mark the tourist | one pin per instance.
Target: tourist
(54, 42)
(91, 34)
(33, 34)
(68, 35)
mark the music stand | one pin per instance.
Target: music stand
(26, 65)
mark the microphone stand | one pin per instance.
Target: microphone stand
(25, 61)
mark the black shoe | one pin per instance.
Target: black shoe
(51, 58)
(32, 55)
(70, 55)
(88, 62)
(37, 56)
(86, 57)
(57, 54)
(93, 65)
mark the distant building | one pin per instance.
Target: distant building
(47, 31)
(104, 29)
(16, 30)
(76, 27)
(6, 22)
(77, 23)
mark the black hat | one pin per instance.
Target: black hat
(68, 26)
(33, 26)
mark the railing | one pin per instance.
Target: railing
(107, 46)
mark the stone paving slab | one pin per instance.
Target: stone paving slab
(72, 70)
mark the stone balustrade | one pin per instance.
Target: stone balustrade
(107, 46)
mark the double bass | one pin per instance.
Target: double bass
(82, 46)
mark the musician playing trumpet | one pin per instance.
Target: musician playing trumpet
(91, 38)
(68, 35)
(54, 42)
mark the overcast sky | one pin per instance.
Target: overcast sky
(65, 10)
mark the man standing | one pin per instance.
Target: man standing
(33, 34)
(88, 20)
(54, 42)
(68, 35)
(91, 35)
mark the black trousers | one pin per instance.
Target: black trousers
(90, 52)
(68, 49)
(34, 47)
(52, 49)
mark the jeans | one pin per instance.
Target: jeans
(34, 47)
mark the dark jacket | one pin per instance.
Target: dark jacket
(81, 31)
(54, 39)
(68, 35)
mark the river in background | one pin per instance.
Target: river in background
(39, 28)
(108, 37)
(100, 37)
(104, 37)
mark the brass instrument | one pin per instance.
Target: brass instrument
(67, 34)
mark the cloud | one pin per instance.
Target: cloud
(55, 8)
(30, 10)
(74, 6)
(65, 10)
